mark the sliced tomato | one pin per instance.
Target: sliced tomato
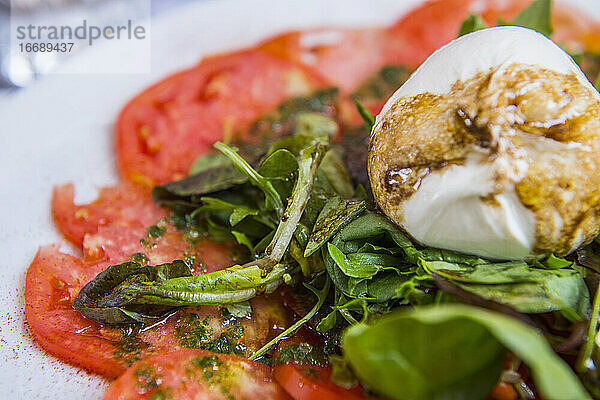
(343, 57)
(437, 22)
(126, 204)
(54, 279)
(195, 374)
(161, 131)
(303, 381)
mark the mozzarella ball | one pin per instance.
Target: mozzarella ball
(492, 148)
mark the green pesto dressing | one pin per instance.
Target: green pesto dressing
(195, 333)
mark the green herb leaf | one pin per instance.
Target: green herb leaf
(537, 16)
(430, 352)
(494, 273)
(240, 310)
(333, 178)
(473, 23)
(118, 299)
(366, 115)
(211, 173)
(254, 177)
(315, 125)
(95, 298)
(334, 215)
(553, 262)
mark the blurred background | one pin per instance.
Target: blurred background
(18, 70)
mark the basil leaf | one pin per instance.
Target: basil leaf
(353, 270)
(95, 302)
(559, 290)
(334, 215)
(471, 24)
(537, 16)
(597, 83)
(456, 350)
(495, 273)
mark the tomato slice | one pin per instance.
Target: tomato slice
(342, 57)
(195, 374)
(111, 234)
(310, 381)
(437, 22)
(161, 131)
(125, 204)
(54, 279)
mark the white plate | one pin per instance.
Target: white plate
(60, 130)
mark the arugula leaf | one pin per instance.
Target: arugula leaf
(366, 115)
(429, 352)
(315, 125)
(473, 23)
(333, 178)
(211, 173)
(537, 16)
(597, 83)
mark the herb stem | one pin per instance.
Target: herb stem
(321, 296)
(310, 159)
(585, 355)
(255, 178)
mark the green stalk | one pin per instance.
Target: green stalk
(585, 365)
(321, 296)
(310, 158)
(255, 178)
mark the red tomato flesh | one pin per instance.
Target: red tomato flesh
(195, 374)
(125, 204)
(165, 128)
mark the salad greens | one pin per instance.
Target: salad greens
(293, 206)
(452, 351)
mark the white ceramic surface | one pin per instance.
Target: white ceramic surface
(60, 130)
